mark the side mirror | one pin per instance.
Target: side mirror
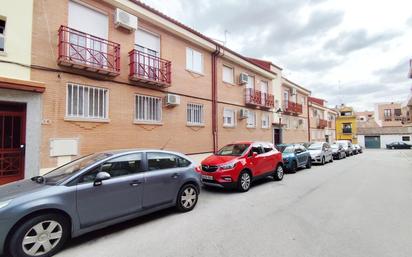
(100, 177)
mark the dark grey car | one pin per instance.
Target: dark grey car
(37, 216)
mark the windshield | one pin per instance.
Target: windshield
(288, 149)
(235, 149)
(315, 147)
(65, 171)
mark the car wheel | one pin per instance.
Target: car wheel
(278, 174)
(309, 163)
(41, 236)
(294, 167)
(331, 159)
(187, 198)
(244, 181)
(323, 160)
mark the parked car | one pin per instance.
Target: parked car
(337, 151)
(295, 156)
(37, 216)
(357, 148)
(398, 145)
(347, 145)
(320, 152)
(237, 165)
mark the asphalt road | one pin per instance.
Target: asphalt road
(361, 206)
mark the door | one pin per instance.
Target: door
(12, 141)
(264, 91)
(301, 156)
(258, 162)
(276, 136)
(372, 142)
(118, 196)
(163, 178)
(149, 46)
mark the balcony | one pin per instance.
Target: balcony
(86, 52)
(259, 99)
(322, 124)
(149, 69)
(291, 107)
(253, 97)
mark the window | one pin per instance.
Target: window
(251, 120)
(286, 97)
(86, 102)
(387, 113)
(315, 113)
(406, 138)
(250, 82)
(147, 42)
(117, 167)
(398, 112)
(264, 88)
(347, 128)
(148, 109)
(229, 118)
(194, 60)
(160, 161)
(195, 114)
(265, 120)
(2, 34)
(228, 75)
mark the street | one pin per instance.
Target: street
(360, 206)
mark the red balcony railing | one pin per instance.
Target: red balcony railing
(253, 97)
(149, 69)
(268, 100)
(292, 107)
(84, 51)
(322, 124)
(257, 98)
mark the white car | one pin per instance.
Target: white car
(320, 152)
(357, 149)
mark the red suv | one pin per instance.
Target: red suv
(237, 165)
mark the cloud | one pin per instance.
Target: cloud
(350, 41)
(394, 74)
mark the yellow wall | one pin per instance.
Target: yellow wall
(339, 126)
(19, 17)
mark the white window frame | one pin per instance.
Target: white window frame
(195, 114)
(250, 82)
(190, 60)
(150, 105)
(82, 110)
(265, 119)
(225, 123)
(232, 81)
(248, 124)
(3, 35)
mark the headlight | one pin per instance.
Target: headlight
(4, 204)
(228, 166)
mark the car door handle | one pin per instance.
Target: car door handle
(135, 183)
(175, 175)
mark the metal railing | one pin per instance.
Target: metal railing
(149, 68)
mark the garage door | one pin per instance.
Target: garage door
(372, 141)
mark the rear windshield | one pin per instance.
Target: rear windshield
(233, 150)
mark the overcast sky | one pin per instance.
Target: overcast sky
(351, 51)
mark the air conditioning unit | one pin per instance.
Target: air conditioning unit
(172, 100)
(125, 20)
(294, 91)
(243, 114)
(243, 78)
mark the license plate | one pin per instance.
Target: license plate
(207, 177)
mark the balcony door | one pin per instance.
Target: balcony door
(148, 46)
(84, 47)
(264, 88)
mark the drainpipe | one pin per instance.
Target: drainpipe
(215, 55)
(307, 109)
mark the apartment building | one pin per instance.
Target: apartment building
(119, 74)
(322, 120)
(294, 115)
(346, 125)
(388, 114)
(20, 96)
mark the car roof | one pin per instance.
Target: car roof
(135, 150)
